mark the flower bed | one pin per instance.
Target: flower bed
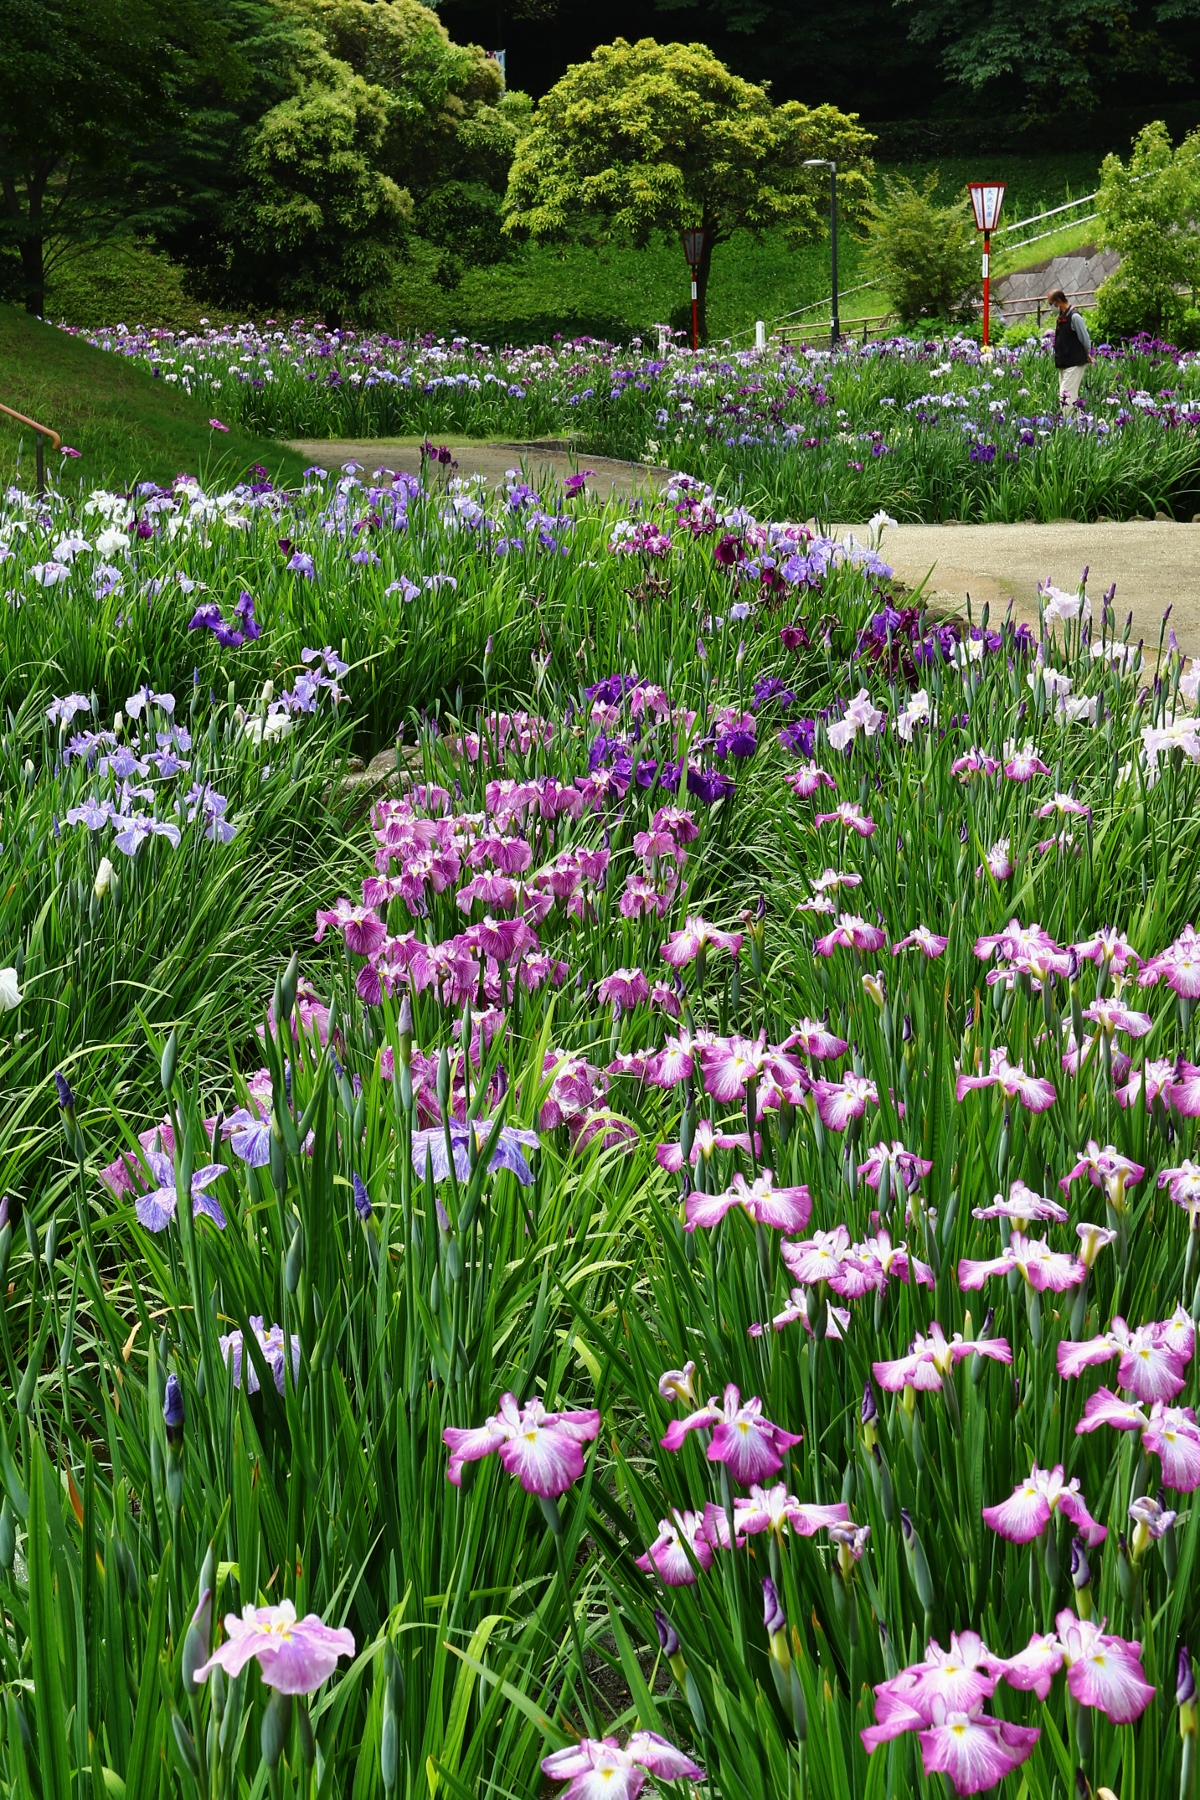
(691, 1272)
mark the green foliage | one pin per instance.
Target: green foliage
(1045, 62)
(649, 137)
(126, 424)
(122, 279)
(925, 255)
(89, 85)
(318, 224)
(1149, 208)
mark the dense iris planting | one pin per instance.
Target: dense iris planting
(928, 430)
(689, 1275)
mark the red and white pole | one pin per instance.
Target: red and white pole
(695, 311)
(987, 284)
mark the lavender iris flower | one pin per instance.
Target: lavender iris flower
(362, 1199)
(156, 1209)
(250, 1138)
(429, 1149)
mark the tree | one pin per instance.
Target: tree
(385, 127)
(87, 85)
(317, 225)
(926, 256)
(653, 137)
(1025, 54)
(1149, 210)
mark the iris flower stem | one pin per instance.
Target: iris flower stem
(560, 1551)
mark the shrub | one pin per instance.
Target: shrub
(1148, 208)
(924, 254)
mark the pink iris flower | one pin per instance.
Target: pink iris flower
(1106, 1169)
(1114, 1015)
(1015, 940)
(1034, 1092)
(749, 1445)
(1184, 1093)
(829, 1256)
(905, 1168)
(1168, 1432)
(849, 815)
(1034, 1503)
(942, 1700)
(800, 1300)
(809, 780)
(543, 1450)
(697, 934)
(932, 1357)
(921, 938)
(1032, 1258)
(774, 1509)
(1103, 1671)
(1022, 1203)
(787, 1209)
(1154, 1357)
(975, 1750)
(975, 762)
(1183, 1184)
(1025, 765)
(1178, 965)
(1108, 946)
(705, 1140)
(624, 989)
(840, 1101)
(598, 1766)
(850, 933)
(361, 927)
(815, 1040)
(893, 1259)
(294, 1655)
(668, 1556)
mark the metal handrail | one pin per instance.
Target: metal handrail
(44, 431)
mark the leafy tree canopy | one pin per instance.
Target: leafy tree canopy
(88, 85)
(1027, 53)
(653, 137)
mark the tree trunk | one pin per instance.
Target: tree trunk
(31, 242)
(702, 282)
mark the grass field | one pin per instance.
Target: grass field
(126, 425)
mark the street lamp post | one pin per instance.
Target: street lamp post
(693, 249)
(987, 197)
(823, 162)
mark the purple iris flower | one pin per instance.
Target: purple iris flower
(429, 1150)
(156, 1209)
(301, 563)
(250, 1138)
(95, 814)
(135, 830)
(362, 1199)
(709, 785)
(245, 612)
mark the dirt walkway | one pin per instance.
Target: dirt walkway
(1155, 565)
(549, 458)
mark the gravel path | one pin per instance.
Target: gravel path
(1155, 564)
(551, 457)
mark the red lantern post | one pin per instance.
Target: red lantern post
(987, 197)
(693, 249)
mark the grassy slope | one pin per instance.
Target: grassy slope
(127, 425)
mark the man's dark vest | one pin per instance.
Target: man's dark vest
(1069, 353)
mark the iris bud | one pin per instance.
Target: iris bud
(166, 1068)
(277, 1723)
(918, 1566)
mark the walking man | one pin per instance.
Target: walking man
(1072, 349)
